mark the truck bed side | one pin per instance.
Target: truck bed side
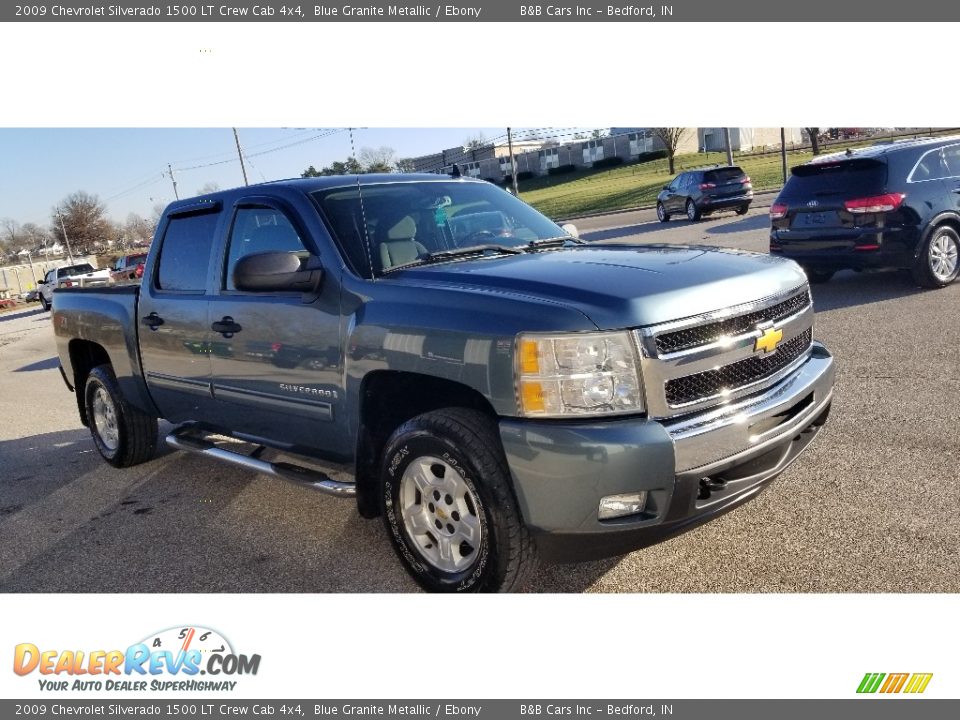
(96, 326)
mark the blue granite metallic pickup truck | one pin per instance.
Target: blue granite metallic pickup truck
(501, 392)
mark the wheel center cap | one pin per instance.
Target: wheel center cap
(441, 513)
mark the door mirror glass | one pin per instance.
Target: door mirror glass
(277, 272)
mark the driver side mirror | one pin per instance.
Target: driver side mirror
(277, 272)
(666, 187)
(571, 230)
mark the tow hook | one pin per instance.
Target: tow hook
(710, 485)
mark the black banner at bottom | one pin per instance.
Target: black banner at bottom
(872, 708)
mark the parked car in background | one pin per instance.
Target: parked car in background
(127, 268)
(81, 275)
(696, 193)
(892, 205)
(31, 296)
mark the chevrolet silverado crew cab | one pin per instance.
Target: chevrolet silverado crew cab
(501, 392)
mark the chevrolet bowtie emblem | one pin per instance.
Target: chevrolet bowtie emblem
(768, 341)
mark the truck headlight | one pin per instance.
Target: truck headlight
(577, 374)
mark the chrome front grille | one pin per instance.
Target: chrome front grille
(713, 383)
(703, 361)
(687, 338)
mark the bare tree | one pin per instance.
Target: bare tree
(9, 232)
(377, 160)
(671, 139)
(475, 142)
(405, 165)
(814, 134)
(138, 230)
(597, 134)
(84, 218)
(35, 236)
(210, 187)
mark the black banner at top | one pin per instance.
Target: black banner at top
(486, 11)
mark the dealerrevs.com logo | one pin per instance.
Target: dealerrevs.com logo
(172, 659)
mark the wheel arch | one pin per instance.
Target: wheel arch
(84, 356)
(388, 398)
(948, 219)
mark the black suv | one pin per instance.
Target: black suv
(893, 205)
(702, 192)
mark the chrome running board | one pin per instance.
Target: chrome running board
(190, 439)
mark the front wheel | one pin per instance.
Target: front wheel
(693, 214)
(43, 303)
(662, 214)
(124, 435)
(448, 507)
(937, 265)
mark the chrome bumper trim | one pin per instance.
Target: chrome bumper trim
(726, 432)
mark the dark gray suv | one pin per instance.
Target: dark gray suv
(696, 193)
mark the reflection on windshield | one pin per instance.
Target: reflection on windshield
(388, 225)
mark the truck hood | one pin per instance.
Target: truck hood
(623, 285)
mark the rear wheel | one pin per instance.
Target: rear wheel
(448, 507)
(937, 266)
(693, 213)
(742, 210)
(662, 215)
(124, 435)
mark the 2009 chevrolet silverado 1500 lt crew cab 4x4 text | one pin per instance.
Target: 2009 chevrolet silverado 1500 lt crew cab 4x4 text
(503, 391)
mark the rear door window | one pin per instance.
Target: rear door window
(931, 166)
(951, 156)
(185, 252)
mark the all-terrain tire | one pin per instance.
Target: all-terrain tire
(123, 434)
(444, 474)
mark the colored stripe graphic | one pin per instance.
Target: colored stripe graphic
(894, 683)
(870, 682)
(918, 683)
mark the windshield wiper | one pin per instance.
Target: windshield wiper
(553, 242)
(471, 250)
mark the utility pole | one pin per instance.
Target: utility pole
(32, 271)
(65, 238)
(513, 164)
(240, 153)
(174, 181)
(726, 136)
(783, 153)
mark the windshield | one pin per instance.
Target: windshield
(405, 222)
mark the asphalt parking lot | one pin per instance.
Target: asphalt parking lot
(871, 507)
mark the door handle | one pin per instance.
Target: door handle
(152, 321)
(226, 326)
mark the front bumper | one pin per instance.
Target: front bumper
(693, 469)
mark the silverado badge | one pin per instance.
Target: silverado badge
(768, 341)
